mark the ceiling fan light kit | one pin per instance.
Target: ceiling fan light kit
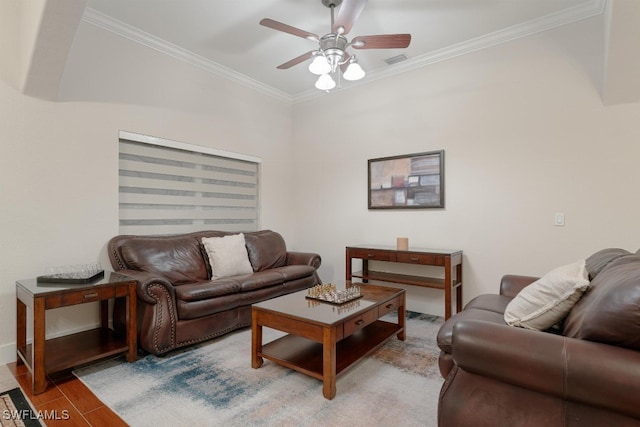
(354, 71)
(325, 82)
(331, 58)
(319, 66)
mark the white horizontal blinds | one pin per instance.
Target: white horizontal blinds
(165, 190)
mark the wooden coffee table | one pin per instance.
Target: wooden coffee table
(325, 339)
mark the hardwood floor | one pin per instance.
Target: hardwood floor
(68, 399)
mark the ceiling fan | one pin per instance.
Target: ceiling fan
(331, 56)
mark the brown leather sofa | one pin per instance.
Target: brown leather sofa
(178, 303)
(582, 372)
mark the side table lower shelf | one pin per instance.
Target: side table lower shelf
(77, 349)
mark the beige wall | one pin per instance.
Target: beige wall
(525, 135)
(59, 162)
(523, 127)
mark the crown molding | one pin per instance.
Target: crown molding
(534, 26)
(134, 34)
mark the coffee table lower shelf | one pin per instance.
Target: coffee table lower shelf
(305, 356)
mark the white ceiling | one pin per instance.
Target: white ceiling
(225, 37)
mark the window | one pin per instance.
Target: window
(168, 187)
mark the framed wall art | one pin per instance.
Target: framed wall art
(410, 181)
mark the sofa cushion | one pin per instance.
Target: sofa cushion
(549, 299)
(266, 250)
(610, 311)
(227, 256)
(259, 280)
(178, 258)
(599, 260)
(207, 289)
(228, 286)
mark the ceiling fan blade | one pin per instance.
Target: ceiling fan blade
(349, 12)
(382, 41)
(270, 23)
(297, 60)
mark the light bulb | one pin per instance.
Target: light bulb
(325, 82)
(319, 65)
(354, 72)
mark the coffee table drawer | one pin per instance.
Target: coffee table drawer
(389, 306)
(366, 318)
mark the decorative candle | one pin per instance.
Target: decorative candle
(403, 243)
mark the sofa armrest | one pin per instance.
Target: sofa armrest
(304, 258)
(511, 284)
(146, 282)
(570, 369)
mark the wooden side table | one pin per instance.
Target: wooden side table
(449, 260)
(46, 356)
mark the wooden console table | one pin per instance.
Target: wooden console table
(450, 260)
(46, 356)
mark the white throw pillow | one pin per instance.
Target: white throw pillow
(549, 299)
(227, 255)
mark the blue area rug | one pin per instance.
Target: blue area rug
(213, 384)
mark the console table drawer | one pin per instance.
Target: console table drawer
(389, 306)
(360, 322)
(371, 254)
(416, 258)
(88, 296)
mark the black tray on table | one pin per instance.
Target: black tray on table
(71, 278)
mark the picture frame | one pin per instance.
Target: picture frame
(409, 181)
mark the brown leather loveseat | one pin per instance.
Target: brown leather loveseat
(178, 301)
(584, 371)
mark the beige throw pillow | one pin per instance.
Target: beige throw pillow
(549, 299)
(227, 255)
